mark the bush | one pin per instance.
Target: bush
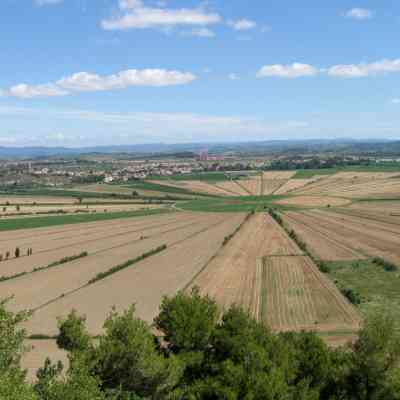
(352, 295)
(17, 252)
(386, 265)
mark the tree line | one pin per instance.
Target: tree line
(200, 352)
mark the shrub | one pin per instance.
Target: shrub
(17, 252)
(386, 265)
(352, 295)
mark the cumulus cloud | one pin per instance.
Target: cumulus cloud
(87, 82)
(134, 14)
(243, 24)
(364, 70)
(295, 70)
(359, 14)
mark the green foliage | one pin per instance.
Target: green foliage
(187, 321)
(352, 295)
(127, 358)
(126, 264)
(73, 335)
(385, 264)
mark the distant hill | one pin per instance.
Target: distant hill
(274, 146)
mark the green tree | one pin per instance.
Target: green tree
(73, 335)
(12, 337)
(374, 370)
(187, 321)
(128, 359)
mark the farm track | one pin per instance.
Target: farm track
(143, 284)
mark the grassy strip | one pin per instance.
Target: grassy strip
(126, 264)
(40, 222)
(228, 238)
(377, 288)
(52, 265)
(235, 204)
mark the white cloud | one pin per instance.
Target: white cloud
(364, 70)
(47, 2)
(233, 77)
(243, 24)
(396, 101)
(87, 82)
(24, 91)
(135, 15)
(295, 70)
(359, 13)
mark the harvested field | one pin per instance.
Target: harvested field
(231, 187)
(323, 246)
(314, 201)
(196, 186)
(125, 190)
(40, 350)
(262, 270)
(4, 199)
(252, 186)
(367, 237)
(294, 184)
(299, 297)
(362, 186)
(34, 290)
(42, 209)
(230, 277)
(285, 175)
(144, 284)
(271, 186)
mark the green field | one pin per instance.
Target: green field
(40, 222)
(233, 204)
(379, 289)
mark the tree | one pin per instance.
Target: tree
(12, 338)
(73, 335)
(127, 358)
(79, 383)
(187, 321)
(375, 360)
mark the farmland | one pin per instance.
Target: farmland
(215, 233)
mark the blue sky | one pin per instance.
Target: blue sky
(87, 72)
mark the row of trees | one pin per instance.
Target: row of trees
(202, 354)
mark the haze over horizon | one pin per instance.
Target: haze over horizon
(120, 72)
